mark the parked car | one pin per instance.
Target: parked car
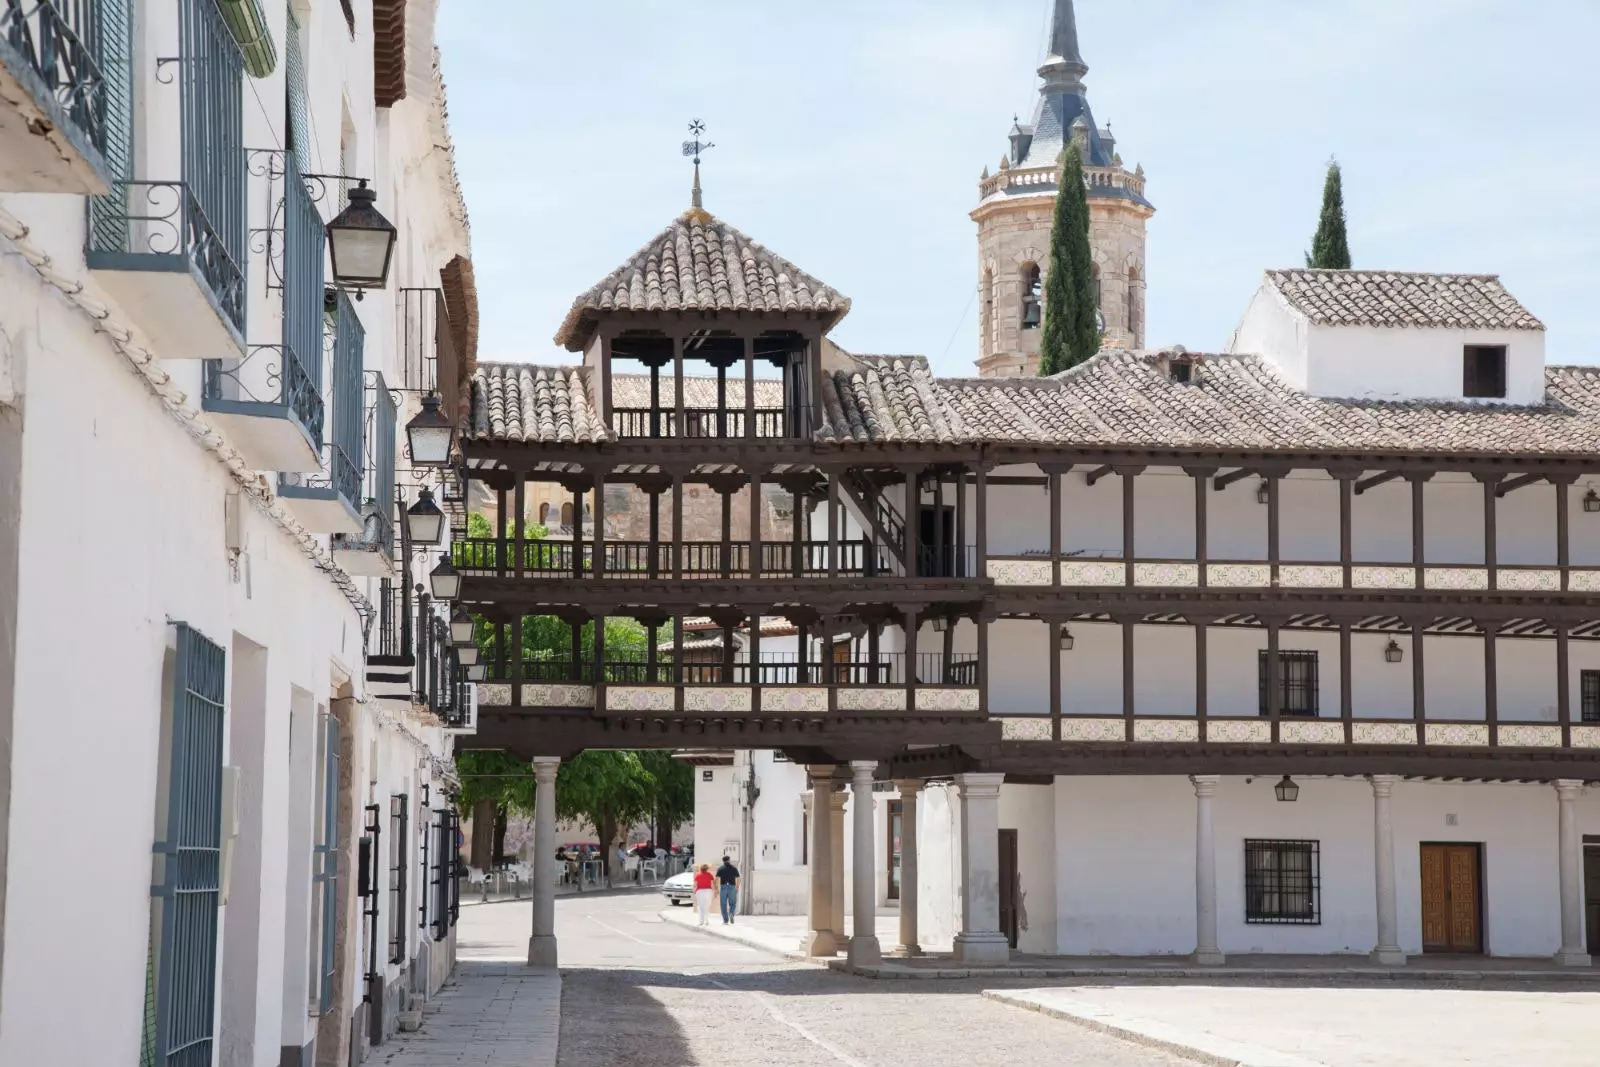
(679, 889)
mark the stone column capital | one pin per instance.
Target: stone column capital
(859, 767)
(836, 800)
(819, 772)
(979, 786)
(909, 787)
(1205, 785)
(545, 768)
(1568, 789)
(1383, 784)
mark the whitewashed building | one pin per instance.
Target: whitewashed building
(225, 782)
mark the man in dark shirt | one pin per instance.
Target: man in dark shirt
(728, 881)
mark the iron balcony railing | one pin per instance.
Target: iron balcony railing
(698, 422)
(73, 56)
(198, 219)
(377, 480)
(702, 667)
(550, 558)
(342, 455)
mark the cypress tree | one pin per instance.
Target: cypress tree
(1071, 329)
(1330, 248)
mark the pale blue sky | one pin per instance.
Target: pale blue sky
(851, 133)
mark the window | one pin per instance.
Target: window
(1282, 882)
(1297, 683)
(1032, 297)
(1484, 370)
(1589, 696)
(399, 827)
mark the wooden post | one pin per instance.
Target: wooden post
(913, 518)
(939, 564)
(1274, 543)
(599, 656)
(726, 569)
(1127, 673)
(1491, 680)
(802, 670)
(575, 628)
(1129, 546)
(1054, 481)
(577, 532)
(1418, 532)
(1202, 684)
(749, 388)
(677, 663)
(982, 619)
(519, 506)
(912, 622)
(516, 660)
(874, 668)
(1274, 678)
(1563, 684)
(961, 523)
(796, 539)
(651, 654)
(655, 400)
(756, 511)
(598, 566)
(501, 519)
(1346, 528)
(722, 399)
(1055, 678)
(982, 518)
(1419, 709)
(1490, 553)
(1202, 548)
(753, 619)
(833, 523)
(1346, 698)
(1563, 487)
(655, 532)
(677, 524)
(680, 427)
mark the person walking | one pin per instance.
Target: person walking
(728, 876)
(703, 880)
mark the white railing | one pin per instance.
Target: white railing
(1028, 177)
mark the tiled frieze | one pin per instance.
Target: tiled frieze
(1529, 735)
(557, 696)
(1371, 577)
(1584, 580)
(1094, 729)
(872, 698)
(1310, 576)
(717, 698)
(1238, 731)
(1528, 579)
(1384, 733)
(1586, 737)
(1183, 575)
(1239, 575)
(1468, 734)
(493, 694)
(1093, 572)
(1456, 578)
(1311, 732)
(1166, 730)
(1021, 571)
(784, 699)
(1028, 728)
(640, 698)
(947, 699)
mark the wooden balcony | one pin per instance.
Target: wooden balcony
(699, 423)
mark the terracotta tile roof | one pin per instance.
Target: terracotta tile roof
(521, 402)
(700, 263)
(1394, 298)
(633, 391)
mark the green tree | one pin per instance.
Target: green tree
(1330, 246)
(671, 793)
(1071, 332)
(609, 790)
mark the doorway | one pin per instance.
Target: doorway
(1452, 897)
(936, 564)
(1591, 895)
(896, 816)
(1009, 886)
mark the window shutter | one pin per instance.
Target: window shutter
(297, 110)
(189, 863)
(327, 860)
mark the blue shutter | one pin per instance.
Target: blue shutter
(325, 877)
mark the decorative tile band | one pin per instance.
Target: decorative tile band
(1383, 577)
(1031, 728)
(1186, 575)
(1529, 735)
(783, 698)
(1313, 732)
(1168, 730)
(1238, 731)
(1533, 580)
(1021, 571)
(640, 698)
(872, 698)
(1094, 729)
(944, 699)
(1468, 734)
(1309, 576)
(1456, 577)
(1093, 572)
(1384, 733)
(1239, 575)
(717, 698)
(1586, 737)
(557, 696)
(494, 695)
(1583, 581)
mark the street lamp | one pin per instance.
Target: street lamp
(431, 434)
(467, 655)
(1286, 790)
(940, 624)
(478, 672)
(1064, 642)
(461, 628)
(1392, 652)
(444, 579)
(424, 520)
(361, 242)
(1263, 494)
(1591, 501)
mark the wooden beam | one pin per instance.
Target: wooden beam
(1376, 480)
(1098, 473)
(1222, 481)
(1511, 485)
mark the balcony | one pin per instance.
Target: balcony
(646, 559)
(329, 499)
(410, 662)
(65, 112)
(171, 250)
(654, 423)
(370, 553)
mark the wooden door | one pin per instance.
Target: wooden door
(896, 821)
(841, 663)
(1451, 899)
(1591, 897)
(1008, 886)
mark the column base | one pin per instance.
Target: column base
(1389, 957)
(1573, 958)
(1209, 957)
(909, 950)
(864, 951)
(819, 943)
(982, 948)
(542, 950)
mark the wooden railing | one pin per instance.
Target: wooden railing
(698, 422)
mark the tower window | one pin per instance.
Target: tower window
(1484, 370)
(1032, 297)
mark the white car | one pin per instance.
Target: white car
(679, 889)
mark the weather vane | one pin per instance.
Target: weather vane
(693, 148)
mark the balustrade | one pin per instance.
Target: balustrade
(699, 422)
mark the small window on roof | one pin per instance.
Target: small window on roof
(1484, 371)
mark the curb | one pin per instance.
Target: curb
(1218, 974)
(1211, 1051)
(794, 955)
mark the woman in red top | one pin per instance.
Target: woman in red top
(703, 881)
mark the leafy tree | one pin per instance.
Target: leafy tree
(1071, 332)
(1330, 247)
(609, 790)
(671, 793)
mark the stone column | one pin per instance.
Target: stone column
(909, 788)
(1206, 949)
(820, 940)
(1569, 846)
(980, 939)
(1388, 949)
(836, 799)
(542, 945)
(864, 950)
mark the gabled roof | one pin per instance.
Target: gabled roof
(1396, 298)
(700, 263)
(522, 402)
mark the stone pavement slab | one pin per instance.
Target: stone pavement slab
(492, 1014)
(1295, 1025)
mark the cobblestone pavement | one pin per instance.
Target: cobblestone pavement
(645, 993)
(491, 1015)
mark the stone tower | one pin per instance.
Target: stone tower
(1015, 207)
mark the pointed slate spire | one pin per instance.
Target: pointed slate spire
(1064, 68)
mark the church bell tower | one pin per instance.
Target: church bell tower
(1016, 204)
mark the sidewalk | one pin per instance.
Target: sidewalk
(491, 1014)
(778, 934)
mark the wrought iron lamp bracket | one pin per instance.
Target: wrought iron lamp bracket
(164, 76)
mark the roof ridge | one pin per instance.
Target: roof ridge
(1381, 270)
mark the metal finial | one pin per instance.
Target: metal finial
(693, 148)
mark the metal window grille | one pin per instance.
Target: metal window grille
(367, 889)
(428, 861)
(1297, 683)
(296, 109)
(303, 239)
(1589, 696)
(67, 49)
(213, 154)
(109, 226)
(399, 820)
(1282, 882)
(453, 867)
(440, 874)
(326, 873)
(189, 859)
(378, 480)
(347, 392)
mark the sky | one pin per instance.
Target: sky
(850, 136)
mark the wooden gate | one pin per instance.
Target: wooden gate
(1452, 905)
(1009, 886)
